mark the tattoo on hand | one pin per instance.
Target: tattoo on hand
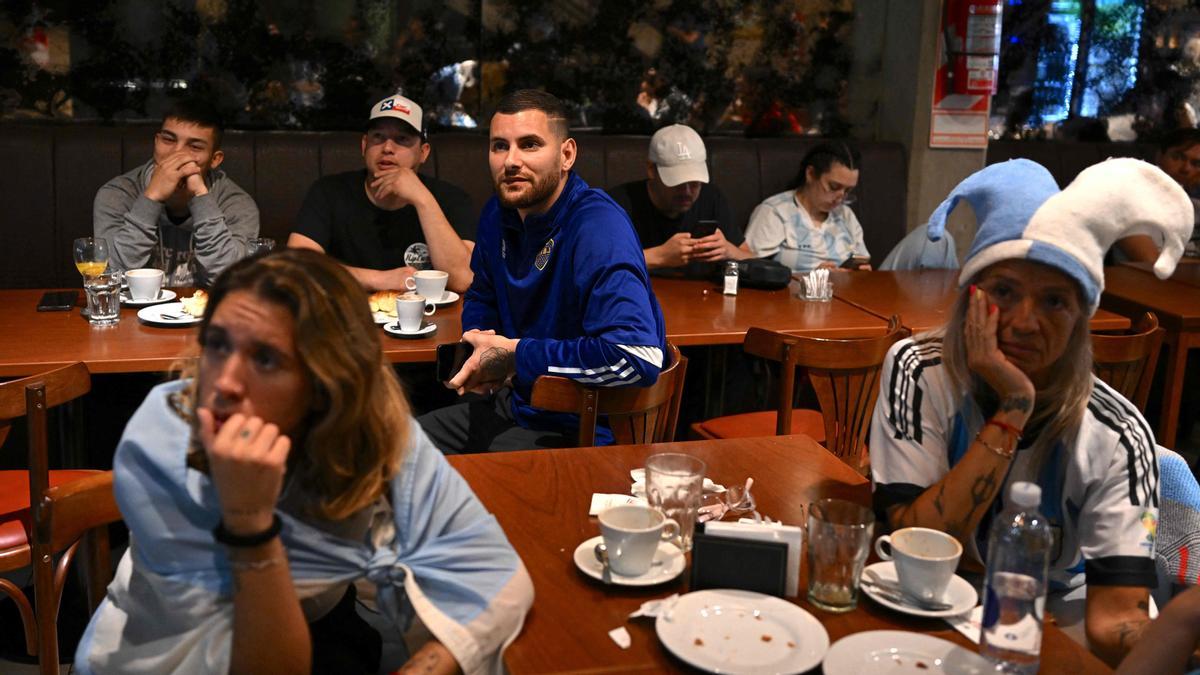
(1017, 403)
(1128, 632)
(937, 500)
(495, 364)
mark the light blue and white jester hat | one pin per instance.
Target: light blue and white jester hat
(1022, 214)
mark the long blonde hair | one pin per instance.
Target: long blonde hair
(1057, 409)
(352, 440)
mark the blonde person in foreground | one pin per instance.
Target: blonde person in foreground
(1005, 391)
(282, 468)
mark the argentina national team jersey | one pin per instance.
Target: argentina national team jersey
(572, 285)
(1099, 488)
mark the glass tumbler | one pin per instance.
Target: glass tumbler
(839, 539)
(675, 485)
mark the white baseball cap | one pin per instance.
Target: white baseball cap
(679, 154)
(401, 108)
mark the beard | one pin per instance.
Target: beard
(539, 189)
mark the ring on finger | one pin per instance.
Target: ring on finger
(244, 433)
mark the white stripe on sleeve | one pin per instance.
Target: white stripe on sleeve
(651, 355)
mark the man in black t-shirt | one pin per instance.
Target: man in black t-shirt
(669, 206)
(387, 221)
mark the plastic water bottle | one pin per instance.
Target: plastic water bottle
(1014, 594)
(731, 277)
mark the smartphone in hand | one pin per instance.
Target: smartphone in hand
(856, 261)
(450, 359)
(703, 228)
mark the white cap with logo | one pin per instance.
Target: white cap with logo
(679, 154)
(399, 107)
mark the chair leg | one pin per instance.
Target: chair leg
(46, 604)
(97, 566)
(27, 621)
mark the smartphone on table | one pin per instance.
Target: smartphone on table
(450, 359)
(703, 228)
(57, 301)
(856, 261)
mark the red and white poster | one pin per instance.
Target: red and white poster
(968, 58)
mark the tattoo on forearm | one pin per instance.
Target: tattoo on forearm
(1017, 403)
(937, 500)
(495, 364)
(983, 490)
(1128, 632)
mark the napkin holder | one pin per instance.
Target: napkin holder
(744, 564)
(790, 535)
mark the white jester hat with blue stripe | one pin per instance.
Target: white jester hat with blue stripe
(1022, 214)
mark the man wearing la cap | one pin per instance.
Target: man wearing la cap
(675, 196)
(387, 221)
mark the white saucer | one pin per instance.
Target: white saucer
(727, 631)
(164, 295)
(959, 593)
(668, 564)
(896, 652)
(447, 298)
(157, 315)
(393, 328)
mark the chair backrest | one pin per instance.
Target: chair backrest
(635, 414)
(844, 374)
(32, 397)
(1127, 362)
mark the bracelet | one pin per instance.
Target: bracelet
(224, 536)
(254, 565)
(1015, 431)
(1006, 454)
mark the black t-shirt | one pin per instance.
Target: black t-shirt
(654, 229)
(337, 215)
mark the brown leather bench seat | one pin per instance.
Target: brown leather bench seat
(51, 174)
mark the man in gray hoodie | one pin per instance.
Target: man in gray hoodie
(178, 212)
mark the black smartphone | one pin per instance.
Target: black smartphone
(856, 261)
(57, 301)
(704, 228)
(450, 359)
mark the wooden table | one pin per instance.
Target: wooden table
(34, 341)
(923, 298)
(1133, 289)
(541, 500)
(1186, 272)
(697, 313)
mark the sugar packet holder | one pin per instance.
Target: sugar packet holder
(791, 535)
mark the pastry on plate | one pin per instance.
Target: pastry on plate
(195, 304)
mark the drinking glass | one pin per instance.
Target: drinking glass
(674, 485)
(103, 298)
(91, 255)
(839, 538)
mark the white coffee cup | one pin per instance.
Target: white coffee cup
(144, 283)
(411, 309)
(429, 283)
(925, 560)
(631, 533)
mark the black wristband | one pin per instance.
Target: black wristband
(228, 538)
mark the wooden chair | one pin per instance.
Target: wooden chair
(635, 414)
(1127, 362)
(64, 505)
(844, 374)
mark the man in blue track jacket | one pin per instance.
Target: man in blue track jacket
(560, 289)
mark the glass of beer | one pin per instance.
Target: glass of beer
(91, 256)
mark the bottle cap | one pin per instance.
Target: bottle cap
(1026, 495)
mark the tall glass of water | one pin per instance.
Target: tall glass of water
(103, 298)
(675, 485)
